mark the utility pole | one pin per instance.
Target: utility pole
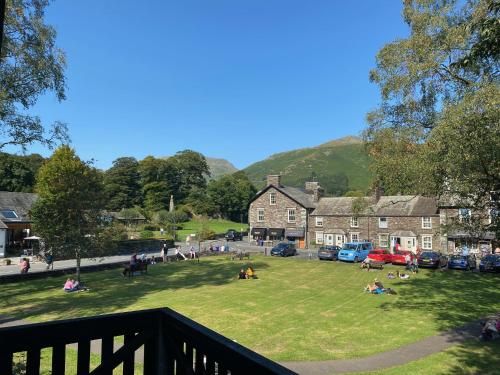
(2, 20)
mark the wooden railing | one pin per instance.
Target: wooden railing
(163, 340)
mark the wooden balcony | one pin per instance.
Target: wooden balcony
(168, 342)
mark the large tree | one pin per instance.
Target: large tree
(122, 184)
(18, 173)
(193, 171)
(30, 65)
(68, 212)
(437, 130)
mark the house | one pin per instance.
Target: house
(128, 217)
(280, 212)
(15, 221)
(410, 221)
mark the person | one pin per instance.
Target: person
(497, 250)
(378, 284)
(142, 258)
(366, 263)
(24, 265)
(163, 255)
(398, 246)
(403, 276)
(152, 260)
(391, 276)
(251, 273)
(50, 261)
(414, 269)
(191, 253)
(408, 262)
(242, 275)
(211, 249)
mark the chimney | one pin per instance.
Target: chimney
(274, 179)
(379, 192)
(318, 193)
(312, 187)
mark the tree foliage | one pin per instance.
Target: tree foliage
(437, 130)
(18, 173)
(122, 184)
(30, 65)
(68, 212)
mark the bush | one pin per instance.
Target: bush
(146, 234)
(151, 227)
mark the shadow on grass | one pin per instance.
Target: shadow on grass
(110, 291)
(477, 358)
(453, 298)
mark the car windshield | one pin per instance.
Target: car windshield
(349, 246)
(428, 254)
(281, 246)
(492, 257)
(457, 257)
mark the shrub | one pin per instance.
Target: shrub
(151, 227)
(146, 234)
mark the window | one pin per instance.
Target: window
(382, 222)
(427, 242)
(319, 221)
(383, 240)
(464, 213)
(426, 222)
(272, 199)
(291, 215)
(260, 214)
(354, 222)
(354, 237)
(9, 214)
(319, 238)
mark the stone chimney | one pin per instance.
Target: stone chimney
(313, 187)
(274, 179)
(378, 193)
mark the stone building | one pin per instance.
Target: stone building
(280, 212)
(410, 221)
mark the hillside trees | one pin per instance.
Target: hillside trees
(30, 65)
(68, 212)
(437, 130)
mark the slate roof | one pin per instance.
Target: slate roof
(21, 203)
(298, 195)
(397, 205)
(118, 215)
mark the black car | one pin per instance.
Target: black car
(233, 235)
(490, 263)
(462, 262)
(328, 252)
(432, 259)
(284, 249)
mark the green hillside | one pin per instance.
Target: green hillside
(219, 167)
(339, 166)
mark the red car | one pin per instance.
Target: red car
(380, 255)
(399, 256)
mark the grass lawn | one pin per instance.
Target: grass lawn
(470, 358)
(296, 310)
(217, 225)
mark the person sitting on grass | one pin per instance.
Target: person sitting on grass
(391, 276)
(242, 275)
(403, 276)
(251, 273)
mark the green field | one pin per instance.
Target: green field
(217, 225)
(296, 310)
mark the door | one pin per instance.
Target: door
(409, 243)
(329, 239)
(339, 240)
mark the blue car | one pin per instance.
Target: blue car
(462, 262)
(355, 251)
(490, 263)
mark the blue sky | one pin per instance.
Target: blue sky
(236, 79)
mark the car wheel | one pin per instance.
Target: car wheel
(356, 259)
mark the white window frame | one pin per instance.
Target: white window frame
(386, 236)
(380, 221)
(357, 237)
(319, 221)
(289, 216)
(272, 199)
(426, 242)
(354, 222)
(319, 238)
(260, 215)
(426, 222)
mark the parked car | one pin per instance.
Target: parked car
(380, 255)
(355, 251)
(328, 252)
(399, 256)
(490, 263)
(432, 259)
(462, 262)
(284, 249)
(233, 235)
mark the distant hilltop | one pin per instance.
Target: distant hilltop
(220, 167)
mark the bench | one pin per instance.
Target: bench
(240, 255)
(139, 268)
(372, 264)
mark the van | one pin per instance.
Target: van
(355, 251)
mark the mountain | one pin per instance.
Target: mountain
(219, 167)
(340, 165)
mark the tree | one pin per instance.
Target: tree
(30, 65)
(68, 212)
(437, 130)
(193, 170)
(17, 173)
(122, 184)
